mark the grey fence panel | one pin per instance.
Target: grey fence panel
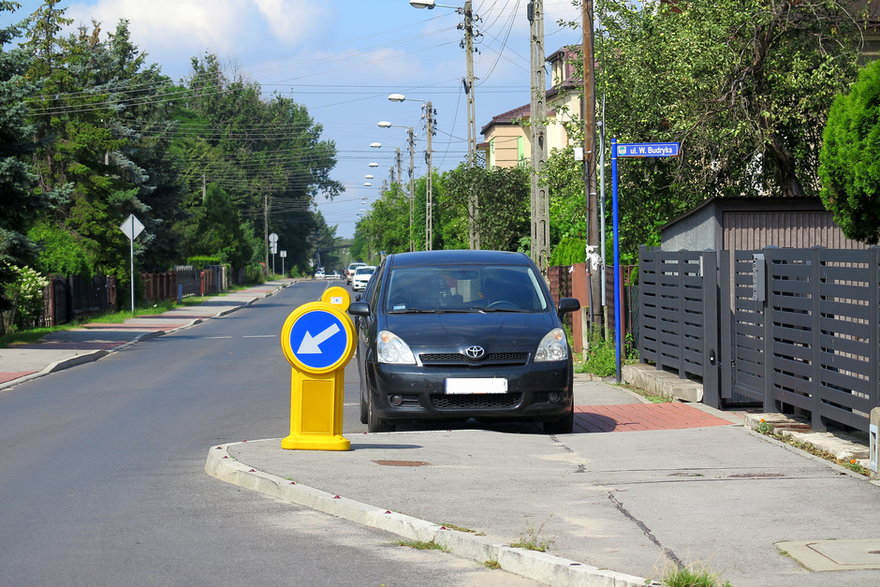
(673, 303)
(648, 341)
(825, 334)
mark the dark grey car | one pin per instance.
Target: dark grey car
(462, 334)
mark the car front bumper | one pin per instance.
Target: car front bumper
(535, 391)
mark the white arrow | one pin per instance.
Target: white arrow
(309, 344)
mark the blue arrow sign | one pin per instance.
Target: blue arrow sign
(318, 339)
(648, 149)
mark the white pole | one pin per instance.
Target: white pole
(131, 256)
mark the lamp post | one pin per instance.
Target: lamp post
(468, 82)
(411, 141)
(429, 197)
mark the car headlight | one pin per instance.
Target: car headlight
(390, 348)
(553, 347)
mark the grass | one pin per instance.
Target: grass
(689, 577)
(422, 545)
(531, 539)
(492, 564)
(767, 429)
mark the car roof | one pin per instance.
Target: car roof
(458, 257)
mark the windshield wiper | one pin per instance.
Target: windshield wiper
(412, 311)
(486, 310)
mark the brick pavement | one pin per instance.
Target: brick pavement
(635, 417)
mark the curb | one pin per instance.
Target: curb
(539, 566)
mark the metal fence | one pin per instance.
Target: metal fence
(66, 298)
(796, 330)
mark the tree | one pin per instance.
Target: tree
(850, 158)
(744, 85)
(18, 203)
(504, 205)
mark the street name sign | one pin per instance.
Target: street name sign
(648, 149)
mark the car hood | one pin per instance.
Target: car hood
(493, 331)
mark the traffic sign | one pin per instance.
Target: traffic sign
(132, 227)
(648, 149)
(273, 238)
(317, 338)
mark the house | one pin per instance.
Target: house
(506, 141)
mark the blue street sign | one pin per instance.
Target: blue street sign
(647, 149)
(319, 339)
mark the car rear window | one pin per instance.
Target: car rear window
(475, 288)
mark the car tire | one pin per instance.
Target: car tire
(564, 425)
(365, 409)
(374, 423)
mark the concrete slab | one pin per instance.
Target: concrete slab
(834, 555)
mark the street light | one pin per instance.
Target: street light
(411, 141)
(375, 145)
(373, 164)
(429, 195)
(368, 177)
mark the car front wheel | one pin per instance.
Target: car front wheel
(374, 423)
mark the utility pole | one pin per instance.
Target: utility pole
(429, 196)
(473, 198)
(411, 141)
(397, 161)
(595, 263)
(266, 227)
(540, 202)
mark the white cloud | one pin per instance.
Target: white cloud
(174, 30)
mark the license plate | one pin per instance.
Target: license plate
(476, 385)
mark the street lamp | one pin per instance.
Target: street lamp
(368, 177)
(373, 164)
(375, 145)
(411, 141)
(429, 195)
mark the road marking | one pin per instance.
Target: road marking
(218, 337)
(259, 336)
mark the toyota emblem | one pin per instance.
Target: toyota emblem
(475, 352)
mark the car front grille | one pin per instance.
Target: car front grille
(463, 360)
(476, 401)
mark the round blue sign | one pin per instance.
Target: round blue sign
(318, 339)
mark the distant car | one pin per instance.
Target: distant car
(319, 274)
(349, 272)
(462, 334)
(334, 275)
(361, 277)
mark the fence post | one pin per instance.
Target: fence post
(817, 422)
(769, 396)
(874, 302)
(711, 335)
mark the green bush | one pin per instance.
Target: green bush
(568, 252)
(201, 261)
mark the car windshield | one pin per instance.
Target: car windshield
(485, 288)
(365, 271)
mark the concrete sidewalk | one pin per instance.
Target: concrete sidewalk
(91, 341)
(639, 489)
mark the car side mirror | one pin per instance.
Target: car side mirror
(359, 309)
(567, 305)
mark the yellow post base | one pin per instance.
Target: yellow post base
(316, 412)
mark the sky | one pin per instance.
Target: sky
(341, 59)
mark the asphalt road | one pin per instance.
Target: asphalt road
(102, 480)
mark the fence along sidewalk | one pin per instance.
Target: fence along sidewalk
(805, 339)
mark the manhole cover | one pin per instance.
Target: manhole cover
(835, 555)
(402, 463)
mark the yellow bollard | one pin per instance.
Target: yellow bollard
(318, 341)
